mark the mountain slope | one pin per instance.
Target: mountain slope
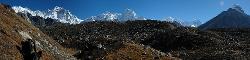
(232, 18)
(104, 38)
(14, 30)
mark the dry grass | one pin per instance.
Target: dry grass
(10, 26)
(132, 51)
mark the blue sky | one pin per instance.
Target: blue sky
(186, 10)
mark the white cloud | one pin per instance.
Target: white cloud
(222, 2)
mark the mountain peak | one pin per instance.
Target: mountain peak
(128, 14)
(57, 8)
(232, 18)
(110, 16)
(236, 7)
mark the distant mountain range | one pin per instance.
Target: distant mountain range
(62, 15)
(59, 14)
(232, 18)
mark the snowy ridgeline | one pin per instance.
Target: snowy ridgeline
(128, 14)
(65, 16)
(57, 13)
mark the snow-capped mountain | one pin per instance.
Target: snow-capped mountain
(194, 23)
(58, 13)
(62, 15)
(232, 18)
(106, 16)
(128, 14)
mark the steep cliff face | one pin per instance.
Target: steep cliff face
(14, 29)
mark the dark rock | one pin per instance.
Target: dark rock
(28, 50)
